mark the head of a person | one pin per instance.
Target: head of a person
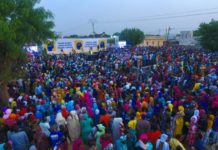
(54, 128)
(144, 138)
(123, 139)
(163, 137)
(62, 128)
(196, 113)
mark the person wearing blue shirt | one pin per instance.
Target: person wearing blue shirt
(162, 143)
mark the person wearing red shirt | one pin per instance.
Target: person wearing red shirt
(154, 134)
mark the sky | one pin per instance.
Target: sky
(110, 16)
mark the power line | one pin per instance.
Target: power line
(158, 18)
(182, 12)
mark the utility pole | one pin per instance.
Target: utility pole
(158, 31)
(168, 32)
(93, 22)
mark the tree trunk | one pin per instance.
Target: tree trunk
(4, 96)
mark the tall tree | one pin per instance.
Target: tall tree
(132, 36)
(208, 34)
(21, 22)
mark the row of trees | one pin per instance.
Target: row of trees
(101, 35)
(208, 35)
(21, 22)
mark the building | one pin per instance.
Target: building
(186, 38)
(153, 40)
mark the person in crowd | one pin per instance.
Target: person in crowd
(86, 126)
(198, 143)
(143, 143)
(175, 143)
(18, 138)
(100, 132)
(73, 126)
(162, 143)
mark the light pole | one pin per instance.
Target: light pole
(93, 22)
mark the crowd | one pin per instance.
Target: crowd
(124, 99)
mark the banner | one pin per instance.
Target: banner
(50, 46)
(78, 44)
(91, 43)
(64, 44)
(102, 43)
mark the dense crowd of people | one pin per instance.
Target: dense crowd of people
(123, 99)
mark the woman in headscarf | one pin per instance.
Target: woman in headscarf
(210, 122)
(206, 139)
(60, 120)
(73, 126)
(100, 132)
(45, 127)
(121, 143)
(86, 126)
(143, 143)
(175, 143)
(193, 128)
(116, 133)
(179, 122)
(162, 144)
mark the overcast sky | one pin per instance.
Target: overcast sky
(151, 16)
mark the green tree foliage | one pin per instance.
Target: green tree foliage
(116, 34)
(111, 41)
(208, 34)
(133, 36)
(21, 22)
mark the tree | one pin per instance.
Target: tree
(21, 22)
(116, 34)
(111, 41)
(72, 36)
(132, 36)
(208, 34)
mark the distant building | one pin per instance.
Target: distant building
(186, 38)
(153, 40)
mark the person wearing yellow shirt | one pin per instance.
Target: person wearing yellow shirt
(175, 143)
(132, 123)
(196, 86)
(210, 121)
(179, 122)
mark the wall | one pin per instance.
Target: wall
(153, 41)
